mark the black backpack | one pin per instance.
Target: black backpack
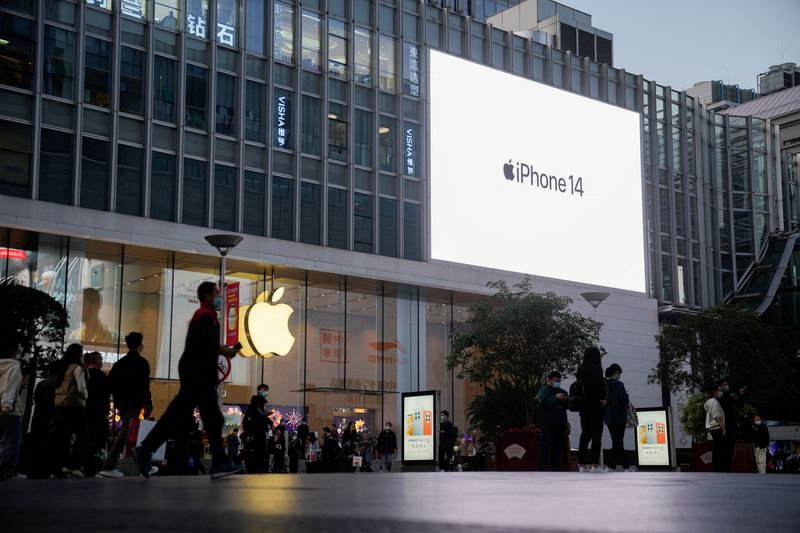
(577, 393)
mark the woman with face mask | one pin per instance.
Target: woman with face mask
(715, 424)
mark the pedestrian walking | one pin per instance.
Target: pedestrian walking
(760, 444)
(592, 411)
(277, 450)
(70, 404)
(303, 432)
(254, 437)
(616, 418)
(296, 451)
(331, 450)
(197, 370)
(42, 464)
(129, 382)
(233, 443)
(97, 410)
(730, 404)
(715, 424)
(447, 439)
(11, 408)
(387, 446)
(553, 402)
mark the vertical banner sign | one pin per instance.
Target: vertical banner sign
(652, 437)
(419, 444)
(410, 150)
(231, 313)
(411, 61)
(282, 124)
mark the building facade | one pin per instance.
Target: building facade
(130, 129)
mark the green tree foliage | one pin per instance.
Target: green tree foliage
(515, 338)
(501, 405)
(37, 322)
(693, 417)
(724, 342)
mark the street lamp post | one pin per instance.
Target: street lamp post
(595, 299)
(223, 243)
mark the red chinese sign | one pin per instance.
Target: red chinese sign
(13, 253)
(231, 313)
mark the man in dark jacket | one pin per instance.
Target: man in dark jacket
(617, 416)
(197, 370)
(42, 428)
(254, 439)
(553, 402)
(729, 404)
(592, 410)
(447, 440)
(331, 450)
(760, 443)
(97, 408)
(387, 446)
(302, 432)
(129, 382)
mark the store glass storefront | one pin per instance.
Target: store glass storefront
(357, 343)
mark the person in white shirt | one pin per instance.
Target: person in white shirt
(715, 424)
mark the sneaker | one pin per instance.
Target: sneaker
(224, 470)
(632, 469)
(596, 469)
(143, 461)
(116, 473)
(68, 472)
(584, 469)
(153, 470)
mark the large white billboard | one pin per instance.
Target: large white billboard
(533, 179)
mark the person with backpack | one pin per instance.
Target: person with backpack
(129, 382)
(616, 418)
(591, 409)
(70, 404)
(11, 408)
(552, 401)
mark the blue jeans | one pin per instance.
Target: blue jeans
(386, 461)
(9, 445)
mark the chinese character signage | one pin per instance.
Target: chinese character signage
(652, 437)
(410, 150)
(197, 22)
(282, 120)
(133, 8)
(411, 79)
(419, 410)
(331, 346)
(231, 313)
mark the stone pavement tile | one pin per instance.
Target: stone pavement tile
(413, 502)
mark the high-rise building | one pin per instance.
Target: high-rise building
(131, 129)
(778, 77)
(716, 96)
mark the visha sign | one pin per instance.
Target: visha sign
(264, 326)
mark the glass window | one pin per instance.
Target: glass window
(196, 97)
(386, 19)
(197, 18)
(362, 223)
(337, 218)
(387, 63)
(254, 111)
(195, 192)
(59, 70)
(15, 158)
(16, 59)
(164, 89)
(225, 197)
(337, 132)
(255, 16)
(337, 48)
(363, 12)
(59, 11)
(227, 23)
(102, 4)
(97, 83)
(386, 138)
(412, 232)
(410, 27)
(167, 13)
(311, 126)
(363, 56)
(312, 51)
(226, 104)
(282, 208)
(310, 213)
(283, 41)
(56, 166)
(388, 227)
(134, 8)
(131, 81)
(254, 206)
(162, 186)
(282, 118)
(94, 174)
(130, 173)
(363, 138)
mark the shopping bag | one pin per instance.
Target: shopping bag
(357, 460)
(133, 433)
(633, 417)
(145, 427)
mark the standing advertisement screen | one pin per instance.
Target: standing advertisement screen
(533, 179)
(653, 437)
(419, 443)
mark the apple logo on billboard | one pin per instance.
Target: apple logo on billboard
(266, 326)
(508, 170)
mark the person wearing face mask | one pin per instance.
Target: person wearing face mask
(553, 402)
(387, 446)
(447, 440)
(760, 443)
(616, 418)
(715, 424)
(197, 370)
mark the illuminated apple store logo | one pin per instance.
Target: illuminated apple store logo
(521, 172)
(266, 326)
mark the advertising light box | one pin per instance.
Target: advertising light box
(533, 179)
(419, 409)
(652, 437)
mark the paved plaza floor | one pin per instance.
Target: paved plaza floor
(408, 502)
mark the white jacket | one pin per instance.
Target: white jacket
(11, 387)
(713, 413)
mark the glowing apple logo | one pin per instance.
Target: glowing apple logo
(508, 170)
(266, 326)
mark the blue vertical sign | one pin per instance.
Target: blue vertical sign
(410, 149)
(283, 115)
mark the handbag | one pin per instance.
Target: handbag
(633, 418)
